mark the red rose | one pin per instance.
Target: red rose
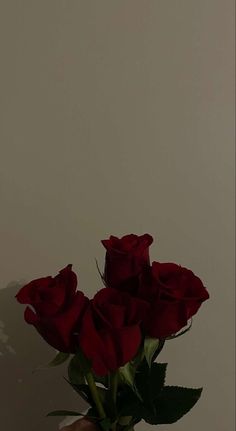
(175, 294)
(58, 308)
(110, 334)
(125, 259)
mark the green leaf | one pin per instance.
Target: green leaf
(127, 373)
(58, 360)
(159, 349)
(172, 403)
(105, 424)
(64, 413)
(128, 403)
(124, 420)
(82, 390)
(136, 361)
(157, 379)
(150, 381)
(150, 347)
(92, 412)
(75, 372)
(161, 404)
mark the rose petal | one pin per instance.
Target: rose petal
(128, 342)
(166, 318)
(93, 346)
(69, 321)
(68, 278)
(26, 293)
(30, 316)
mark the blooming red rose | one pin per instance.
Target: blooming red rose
(125, 259)
(58, 308)
(110, 334)
(175, 295)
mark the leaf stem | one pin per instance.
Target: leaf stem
(95, 394)
(114, 386)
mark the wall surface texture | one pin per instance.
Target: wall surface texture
(116, 117)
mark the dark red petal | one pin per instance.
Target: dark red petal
(48, 333)
(30, 316)
(166, 318)
(163, 270)
(92, 344)
(115, 315)
(147, 238)
(68, 278)
(110, 306)
(196, 288)
(59, 331)
(110, 349)
(109, 243)
(128, 340)
(193, 304)
(105, 295)
(66, 323)
(50, 301)
(99, 368)
(129, 242)
(26, 293)
(137, 310)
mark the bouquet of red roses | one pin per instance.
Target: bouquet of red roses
(111, 342)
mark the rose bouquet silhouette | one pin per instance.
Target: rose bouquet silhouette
(112, 341)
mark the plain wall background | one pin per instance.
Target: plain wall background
(117, 117)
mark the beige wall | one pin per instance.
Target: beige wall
(117, 117)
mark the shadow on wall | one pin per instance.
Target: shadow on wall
(27, 397)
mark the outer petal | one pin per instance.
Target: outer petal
(66, 323)
(30, 316)
(59, 331)
(128, 341)
(93, 346)
(166, 318)
(68, 278)
(26, 294)
(136, 309)
(108, 305)
(177, 285)
(111, 243)
(48, 301)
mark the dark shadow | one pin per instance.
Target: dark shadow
(27, 397)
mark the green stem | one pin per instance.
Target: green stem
(95, 394)
(114, 386)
